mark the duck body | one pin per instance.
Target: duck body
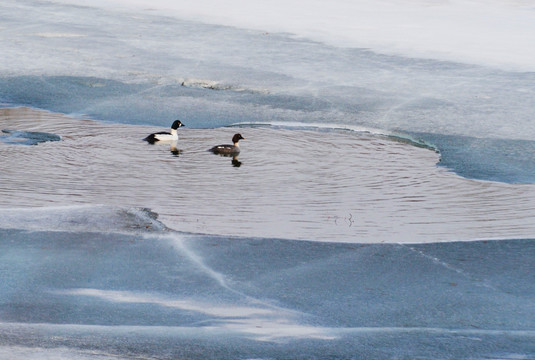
(164, 136)
(227, 149)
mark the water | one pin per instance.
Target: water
(350, 186)
(382, 205)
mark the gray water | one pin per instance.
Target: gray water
(315, 184)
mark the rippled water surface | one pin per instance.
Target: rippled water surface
(325, 185)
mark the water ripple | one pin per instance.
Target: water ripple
(292, 183)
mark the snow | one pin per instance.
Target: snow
(497, 33)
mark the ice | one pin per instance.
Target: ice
(27, 137)
(59, 353)
(328, 94)
(498, 32)
(89, 218)
(129, 295)
(131, 68)
(125, 63)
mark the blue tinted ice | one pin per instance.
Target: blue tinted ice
(16, 137)
(142, 67)
(201, 297)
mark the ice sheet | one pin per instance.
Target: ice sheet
(133, 65)
(90, 295)
(497, 33)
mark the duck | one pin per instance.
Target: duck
(164, 136)
(229, 150)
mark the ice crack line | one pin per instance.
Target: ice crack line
(221, 279)
(478, 282)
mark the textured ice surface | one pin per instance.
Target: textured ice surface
(84, 295)
(26, 137)
(144, 67)
(87, 281)
(467, 31)
(90, 218)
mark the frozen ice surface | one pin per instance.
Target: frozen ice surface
(81, 218)
(139, 66)
(91, 281)
(208, 297)
(476, 31)
(26, 137)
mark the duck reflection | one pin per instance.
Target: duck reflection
(174, 150)
(234, 162)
